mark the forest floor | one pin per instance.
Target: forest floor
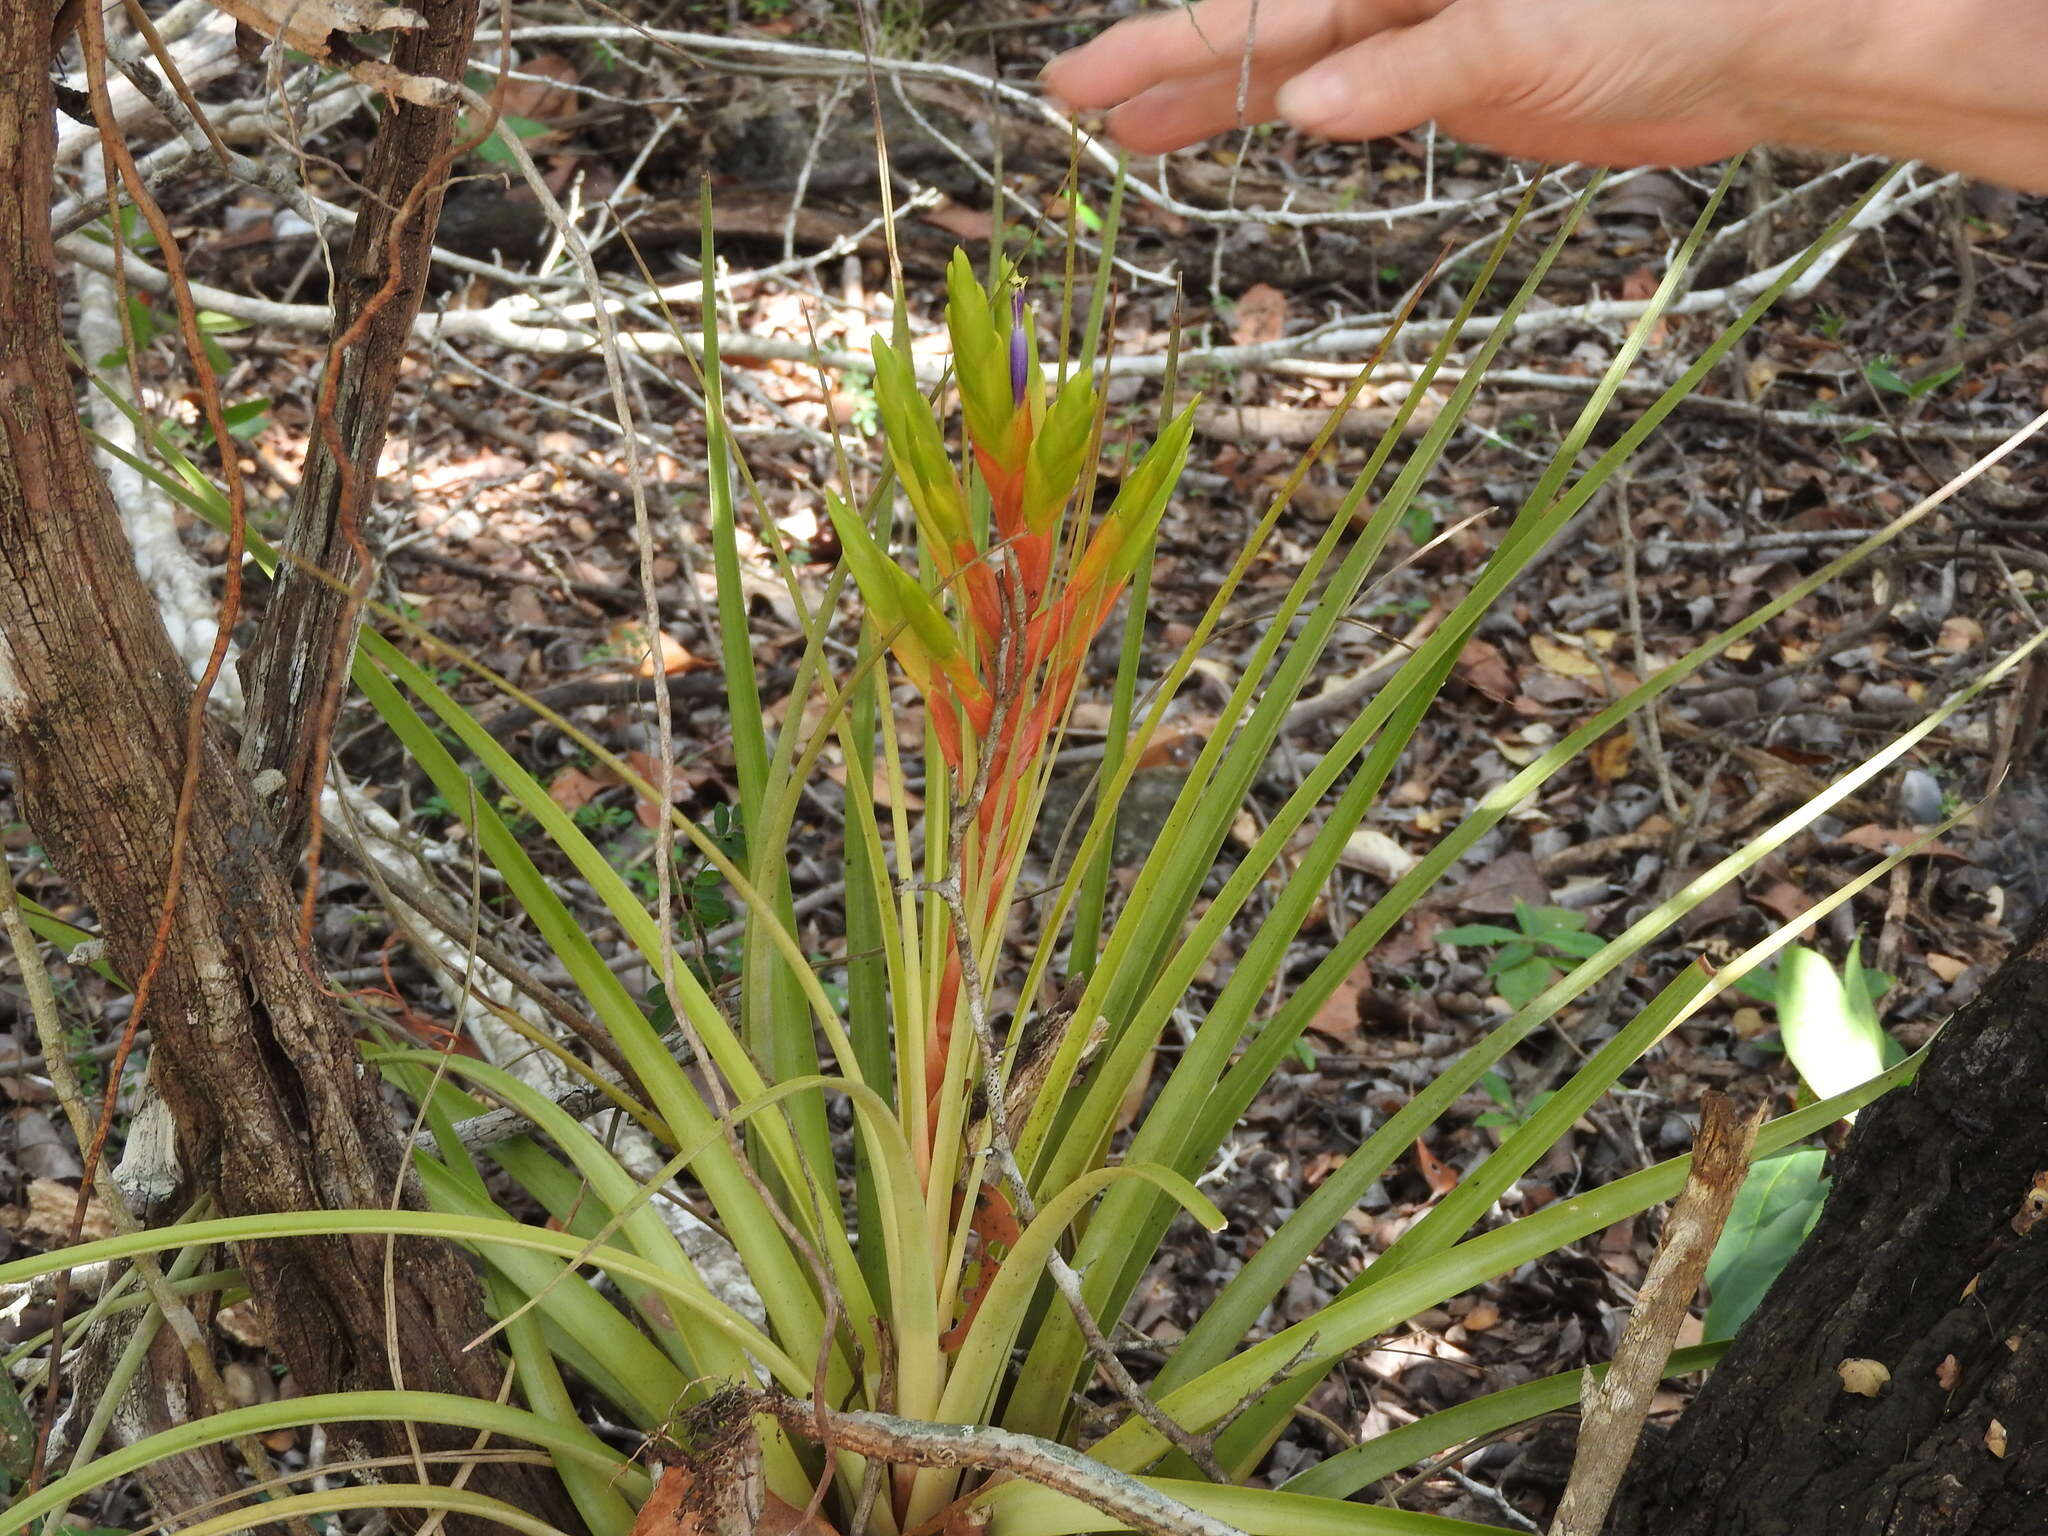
(507, 533)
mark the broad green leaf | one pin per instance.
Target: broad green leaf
(1834, 1043)
(1776, 1207)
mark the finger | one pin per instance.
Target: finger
(1398, 78)
(1135, 55)
(1183, 112)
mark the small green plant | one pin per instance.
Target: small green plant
(1508, 1116)
(1832, 1034)
(1883, 373)
(1530, 956)
(859, 391)
(599, 817)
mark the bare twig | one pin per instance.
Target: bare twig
(915, 1442)
(1615, 1409)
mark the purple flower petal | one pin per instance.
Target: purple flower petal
(1019, 357)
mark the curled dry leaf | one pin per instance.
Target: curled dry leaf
(1947, 967)
(1611, 756)
(1441, 1177)
(629, 639)
(50, 1207)
(314, 27)
(1563, 657)
(572, 788)
(1994, 1438)
(1866, 1378)
(1948, 1373)
(1261, 315)
(1960, 633)
(2033, 1206)
(546, 91)
(1373, 852)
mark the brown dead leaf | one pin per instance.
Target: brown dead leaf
(1563, 657)
(1413, 939)
(1441, 1177)
(1994, 1438)
(1783, 899)
(1890, 839)
(572, 789)
(629, 640)
(1611, 756)
(1494, 889)
(524, 608)
(1482, 666)
(1261, 315)
(664, 1513)
(50, 1205)
(1338, 1018)
(1947, 967)
(550, 94)
(1640, 286)
(959, 220)
(1959, 633)
(1948, 1373)
(2033, 1206)
(1482, 1316)
(310, 26)
(779, 1517)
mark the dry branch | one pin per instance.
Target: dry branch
(918, 1443)
(1615, 1409)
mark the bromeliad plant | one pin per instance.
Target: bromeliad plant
(996, 645)
(1001, 1201)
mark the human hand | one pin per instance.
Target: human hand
(1617, 81)
(1624, 82)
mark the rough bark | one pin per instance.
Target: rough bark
(1915, 1260)
(302, 651)
(275, 1110)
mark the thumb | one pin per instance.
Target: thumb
(1396, 79)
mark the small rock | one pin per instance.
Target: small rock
(1920, 797)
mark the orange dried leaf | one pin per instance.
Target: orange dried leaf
(550, 93)
(2033, 1206)
(1338, 1018)
(1611, 756)
(664, 1513)
(1947, 967)
(1563, 657)
(572, 788)
(1261, 315)
(1441, 1177)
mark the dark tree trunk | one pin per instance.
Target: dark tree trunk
(300, 659)
(275, 1109)
(1915, 1261)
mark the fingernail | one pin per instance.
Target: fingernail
(1314, 96)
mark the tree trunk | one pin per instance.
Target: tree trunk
(297, 666)
(1916, 1263)
(275, 1110)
